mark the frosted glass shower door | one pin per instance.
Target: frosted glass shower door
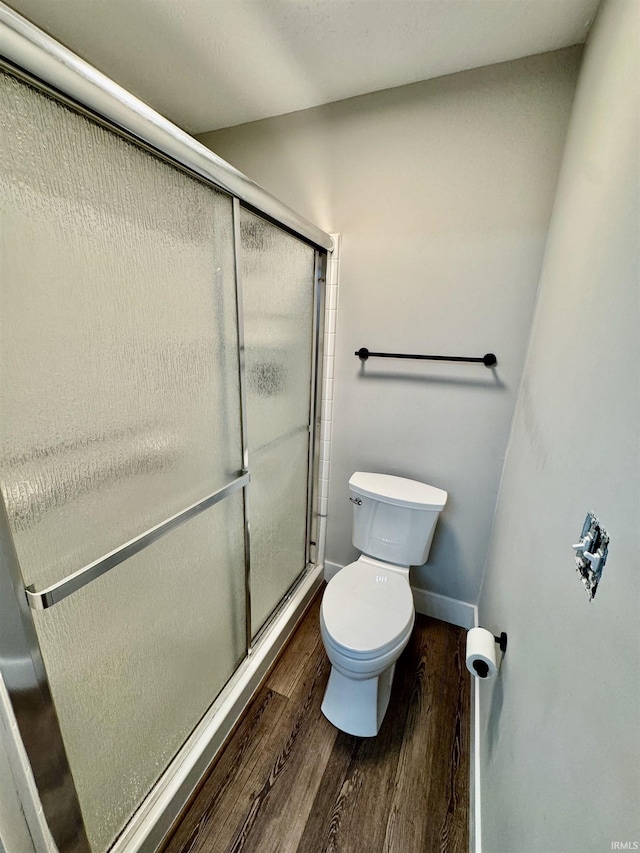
(120, 407)
(277, 273)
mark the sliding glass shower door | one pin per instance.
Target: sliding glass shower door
(120, 407)
(136, 380)
(277, 283)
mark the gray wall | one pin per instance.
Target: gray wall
(561, 744)
(442, 191)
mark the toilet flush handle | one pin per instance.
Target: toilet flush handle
(356, 501)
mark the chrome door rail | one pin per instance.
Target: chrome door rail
(44, 60)
(244, 429)
(42, 599)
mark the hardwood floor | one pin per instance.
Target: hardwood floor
(289, 782)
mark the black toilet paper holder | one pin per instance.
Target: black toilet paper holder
(480, 667)
(501, 641)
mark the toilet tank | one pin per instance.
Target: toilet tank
(394, 518)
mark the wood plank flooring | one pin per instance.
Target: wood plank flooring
(289, 782)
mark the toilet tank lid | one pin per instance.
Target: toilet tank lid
(397, 490)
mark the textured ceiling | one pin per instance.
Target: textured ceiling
(207, 64)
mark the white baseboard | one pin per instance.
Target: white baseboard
(446, 609)
(331, 569)
(475, 801)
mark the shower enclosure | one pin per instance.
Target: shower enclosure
(160, 344)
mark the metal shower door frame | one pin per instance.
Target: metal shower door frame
(25, 678)
(34, 57)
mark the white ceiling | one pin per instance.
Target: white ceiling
(207, 64)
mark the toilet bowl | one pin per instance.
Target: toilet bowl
(366, 619)
(367, 611)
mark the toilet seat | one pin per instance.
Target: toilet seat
(367, 610)
(359, 665)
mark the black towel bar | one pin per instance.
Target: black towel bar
(489, 360)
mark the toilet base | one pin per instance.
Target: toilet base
(357, 706)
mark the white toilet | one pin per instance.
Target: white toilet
(367, 611)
